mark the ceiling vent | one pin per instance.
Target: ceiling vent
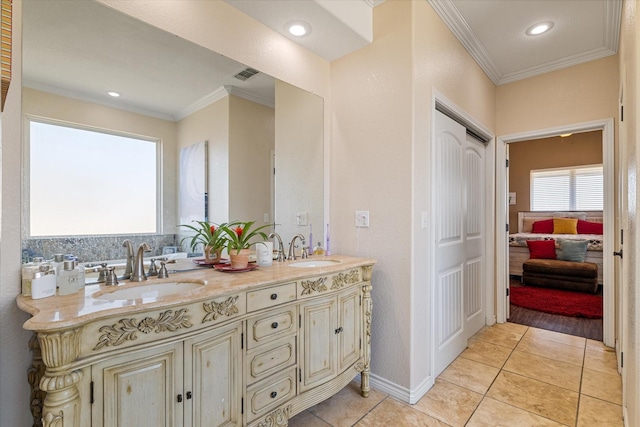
(246, 74)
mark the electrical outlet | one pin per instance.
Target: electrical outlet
(425, 219)
(302, 218)
(265, 218)
(362, 219)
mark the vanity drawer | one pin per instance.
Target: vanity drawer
(271, 326)
(270, 297)
(274, 391)
(266, 360)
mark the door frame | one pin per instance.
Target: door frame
(502, 254)
(490, 203)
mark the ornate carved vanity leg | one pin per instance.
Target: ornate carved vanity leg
(278, 418)
(62, 402)
(36, 372)
(367, 305)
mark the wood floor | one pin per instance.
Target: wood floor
(588, 328)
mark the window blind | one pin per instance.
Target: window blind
(567, 189)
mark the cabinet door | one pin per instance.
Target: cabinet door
(139, 388)
(318, 342)
(349, 325)
(213, 378)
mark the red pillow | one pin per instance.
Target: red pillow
(542, 249)
(545, 226)
(588, 227)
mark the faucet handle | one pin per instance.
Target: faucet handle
(163, 273)
(305, 253)
(153, 271)
(112, 279)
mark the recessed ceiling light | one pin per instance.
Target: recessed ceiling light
(298, 28)
(114, 94)
(540, 28)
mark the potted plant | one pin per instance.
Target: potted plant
(211, 236)
(239, 236)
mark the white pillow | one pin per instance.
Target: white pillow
(579, 215)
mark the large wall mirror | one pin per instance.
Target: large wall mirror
(263, 136)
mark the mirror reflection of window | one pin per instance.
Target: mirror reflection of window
(86, 181)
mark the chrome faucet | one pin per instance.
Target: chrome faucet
(280, 246)
(129, 266)
(138, 266)
(292, 246)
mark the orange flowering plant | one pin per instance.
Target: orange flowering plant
(239, 235)
(207, 234)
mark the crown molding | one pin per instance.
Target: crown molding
(250, 96)
(119, 105)
(209, 99)
(459, 27)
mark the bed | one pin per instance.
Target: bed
(518, 249)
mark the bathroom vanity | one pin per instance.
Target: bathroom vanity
(202, 347)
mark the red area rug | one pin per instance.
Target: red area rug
(555, 301)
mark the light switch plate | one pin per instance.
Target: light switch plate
(302, 218)
(362, 219)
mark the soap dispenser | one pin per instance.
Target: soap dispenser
(68, 278)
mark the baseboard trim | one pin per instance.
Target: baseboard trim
(399, 392)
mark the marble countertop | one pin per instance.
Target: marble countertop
(60, 312)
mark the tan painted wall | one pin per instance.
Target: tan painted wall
(572, 95)
(380, 160)
(211, 123)
(299, 162)
(251, 140)
(577, 149)
(47, 105)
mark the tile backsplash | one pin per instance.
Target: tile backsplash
(98, 248)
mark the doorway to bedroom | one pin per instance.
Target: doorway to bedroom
(605, 127)
(556, 179)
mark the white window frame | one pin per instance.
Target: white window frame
(572, 186)
(119, 203)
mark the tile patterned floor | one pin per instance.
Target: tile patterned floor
(510, 375)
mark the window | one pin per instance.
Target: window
(85, 181)
(567, 189)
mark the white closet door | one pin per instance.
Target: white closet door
(459, 239)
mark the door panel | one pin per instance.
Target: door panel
(459, 201)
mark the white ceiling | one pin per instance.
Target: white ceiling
(493, 31)
(84, 49)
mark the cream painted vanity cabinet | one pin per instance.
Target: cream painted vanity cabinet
(245, 349)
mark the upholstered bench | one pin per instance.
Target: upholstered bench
(554, 273)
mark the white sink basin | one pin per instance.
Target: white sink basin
(153, 291)
(313, 263)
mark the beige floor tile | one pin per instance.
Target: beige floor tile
(602, 386)
(347, 406)
(487, 353)
(596, 345)
(498, 336)
(556, 337)
(543, 369)
(449, 403)
(603, 360)
(307, 419)
(546, 400)
(512, 327)
(390, 412)
(469, 374)
(552, 350)
(492, 413)
(598, 413)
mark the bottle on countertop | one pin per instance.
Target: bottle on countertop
(68, 278)
(43, 284)
(318, 250)
(81, 273)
